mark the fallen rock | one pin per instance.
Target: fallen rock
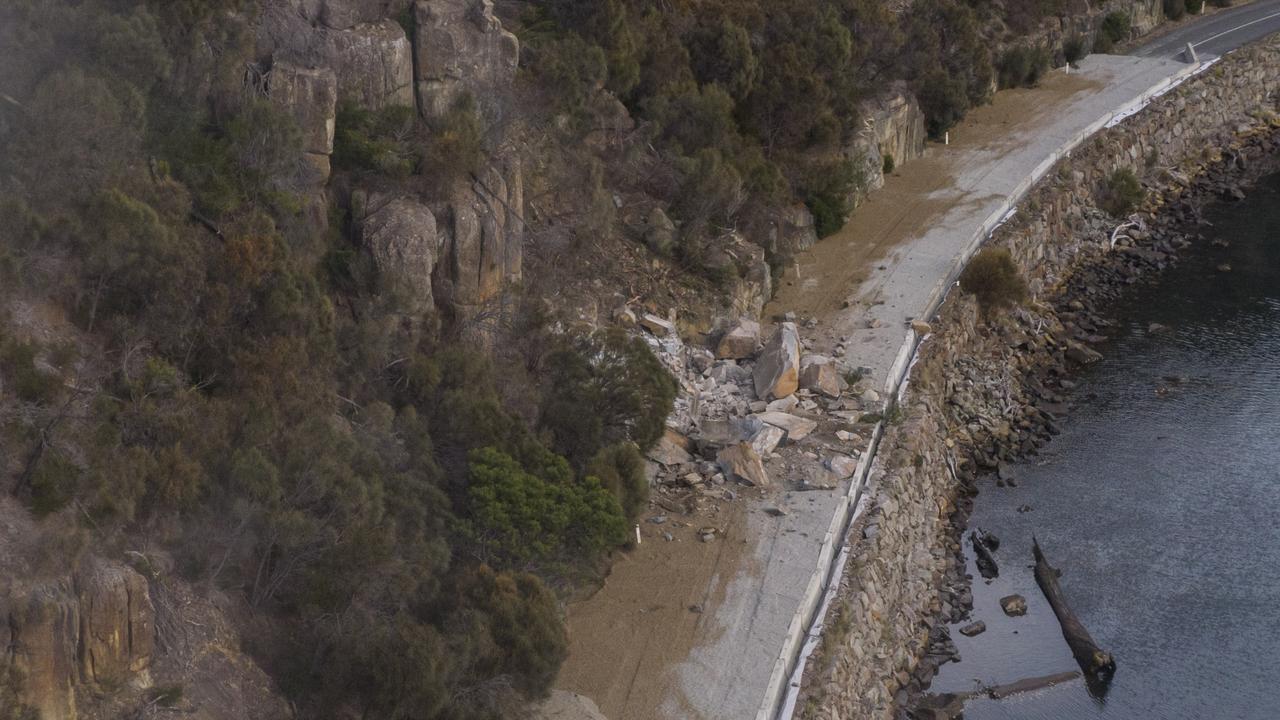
(973, 628)
(921, 327)
(660, 234)
(740, 342)
(1014, 605)
(670, 451)
(743, 463)
(658, 326)
(1080, 354)
(842, 465)
(820, 376)
(767, 439)
(797, 427)
(777, 371)
(786, 404)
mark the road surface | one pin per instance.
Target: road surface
(1218, 33)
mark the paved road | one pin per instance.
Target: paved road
(1218, 33)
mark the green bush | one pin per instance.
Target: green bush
(517, 516)
(943, 99)
(53, 482)
(28, 382)
(1195, 7)
(1074, 49)
(828, 190)
(1122, 193)
(1175, 9)
(1222, 3)
(456, 146)
(620, 469)
(378, 141)
(604, 389)
(993, 278)
(1022, 66)
(1115, 28)
(887, 166)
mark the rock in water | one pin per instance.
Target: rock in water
(1014, 605)
(973, 628)
(777, 371)
(743, 463)
(740, 342)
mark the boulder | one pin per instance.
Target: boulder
(777, 371)
(1082, 355)
(767, 439)
(658, 326)
(740, 342)
(974, 628)
(373, 64)
(670, 450)
(786, 404)
(797, 427)
(921, 327)
(461, 48)
(660, 232)
(819, 374)
(1013, 605)
(741, 462)
(401, 235)
(842, 466)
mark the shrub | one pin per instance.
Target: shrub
(943, 99)
(828, 190)
(1222, 3)
(1115, 28)
(1195, 7)
(1074, 49)
(53, 482)
(887, 166)
(374, 141)
(517, 516)
(1022, 66)
(28, 382)
(604, 389)
(1175, 9)
(993, 279)
(620, 469)
(1122, 192)
(456, 146)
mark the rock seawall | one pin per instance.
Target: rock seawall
(974, 396)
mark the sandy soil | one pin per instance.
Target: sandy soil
(833, 271)
(654, 608)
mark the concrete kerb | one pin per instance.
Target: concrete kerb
(784, 682)
(807, 622)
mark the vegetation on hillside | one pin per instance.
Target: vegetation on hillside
(241, 400)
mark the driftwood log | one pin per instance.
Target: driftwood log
(1097, 664)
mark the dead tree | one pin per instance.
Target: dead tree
(1097, 664)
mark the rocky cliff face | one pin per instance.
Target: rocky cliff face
(461, 48)
(893, 132)
(92, 630)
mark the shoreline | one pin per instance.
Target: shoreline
(971, 405)
(1098, 281)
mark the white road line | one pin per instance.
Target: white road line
(1238, 27)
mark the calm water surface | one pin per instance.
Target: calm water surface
(1161, 509)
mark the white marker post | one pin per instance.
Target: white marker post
(637, 533)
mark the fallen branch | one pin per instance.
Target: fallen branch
(983, 545)
(1096, 663)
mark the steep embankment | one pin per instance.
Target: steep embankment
(983, 391)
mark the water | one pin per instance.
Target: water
(1160, 502)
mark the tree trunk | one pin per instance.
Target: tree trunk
(1097, 664)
